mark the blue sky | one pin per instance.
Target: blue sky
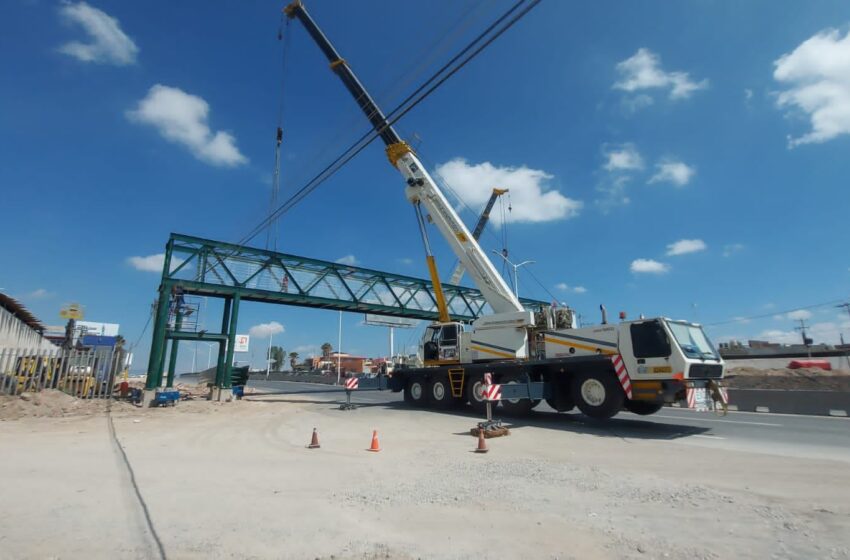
(681, 159)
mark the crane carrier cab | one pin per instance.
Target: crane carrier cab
(635, 365)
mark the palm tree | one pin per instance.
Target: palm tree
(293, 359)
(326, 350)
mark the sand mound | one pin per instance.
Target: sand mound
(805, 379)
(49, 403)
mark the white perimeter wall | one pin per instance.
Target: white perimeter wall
(14, 333)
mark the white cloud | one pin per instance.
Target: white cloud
(182, 118)
(685, 246)
(676, 172)
(151, 263)
(817, 74)
(407, 261)
(800, 314)
(108, 44)
(36, 294)
(623, 158)
(643, 71)
(265, 330)
(742, 320)
(562, 286)
(620, 161)
(732, 248)
(648, 266)
(348, 260)
(531, 198)
(748, 94)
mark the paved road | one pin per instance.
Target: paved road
(816, 437)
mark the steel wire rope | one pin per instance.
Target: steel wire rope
(435, 81)
(405, 107)
(433, 50)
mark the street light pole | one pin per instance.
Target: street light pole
(269, 357)
(516, 268)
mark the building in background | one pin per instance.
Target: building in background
(19, 328)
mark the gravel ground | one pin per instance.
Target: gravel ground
(235, 480)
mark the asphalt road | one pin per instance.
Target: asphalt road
(816, 437)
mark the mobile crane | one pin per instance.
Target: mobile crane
(532, 354)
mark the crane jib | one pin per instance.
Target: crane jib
(341, 69)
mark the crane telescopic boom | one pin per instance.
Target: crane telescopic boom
(476, 233)
(421, 188)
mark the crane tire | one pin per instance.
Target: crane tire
(416, 392)
(643, 408)
(598, 394)
(473, 393)
(440, 392)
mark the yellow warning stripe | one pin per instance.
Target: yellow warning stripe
(582, 346)
(494, 352)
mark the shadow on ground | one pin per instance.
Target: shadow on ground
(623, 428)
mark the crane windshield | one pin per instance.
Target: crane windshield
(693, 341)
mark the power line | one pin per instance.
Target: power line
(772, 313)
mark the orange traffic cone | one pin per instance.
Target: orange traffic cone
(482, 443)
(375, 445)
(314, 443)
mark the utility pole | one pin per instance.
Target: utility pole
(846, 307)
(806, 340)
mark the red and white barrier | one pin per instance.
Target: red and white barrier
(351, 383)
(622, 374)
(493, 392)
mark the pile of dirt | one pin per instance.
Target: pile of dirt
(48, 403)
(804, 379)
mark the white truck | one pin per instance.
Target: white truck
(531, 354)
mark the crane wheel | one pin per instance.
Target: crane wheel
(415, 392)
(474, 393)
(440, 392)
(643, 408)
(598, 394)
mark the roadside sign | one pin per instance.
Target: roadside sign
(72, 311)
(241, 344)
(351, 383)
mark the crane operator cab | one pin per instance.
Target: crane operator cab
(441, 343)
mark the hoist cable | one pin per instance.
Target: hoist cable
(399, 112)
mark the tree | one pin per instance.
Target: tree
(326, 350)
(293, 360)
(277, 355)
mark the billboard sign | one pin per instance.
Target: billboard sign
(241, 344)
(388, 321)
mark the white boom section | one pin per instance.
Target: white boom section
(422, 188)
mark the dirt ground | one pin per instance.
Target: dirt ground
(206, 480)
(804, 379)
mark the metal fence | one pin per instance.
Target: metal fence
(89, 373)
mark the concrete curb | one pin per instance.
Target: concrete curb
(813, 403)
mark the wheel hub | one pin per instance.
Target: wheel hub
(593, 392)
(416, 390)
(439, 391)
